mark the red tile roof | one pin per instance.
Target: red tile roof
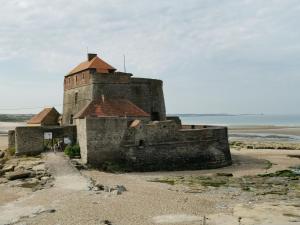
(94, 63)
(111, 107)
(42, 116)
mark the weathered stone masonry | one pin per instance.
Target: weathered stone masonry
(152, 146)
(118, 118)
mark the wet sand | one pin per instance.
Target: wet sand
(3, 142)
(283, 130)
(151, 203)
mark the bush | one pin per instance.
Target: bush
(72, 150)
(11, 151)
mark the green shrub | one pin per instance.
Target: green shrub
(11, 151)
(72, 150)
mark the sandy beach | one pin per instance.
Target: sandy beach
(178, 197)
(150, 203)
(285, 130)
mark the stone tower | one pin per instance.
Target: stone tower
(94, 79)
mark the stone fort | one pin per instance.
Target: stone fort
(118, 118)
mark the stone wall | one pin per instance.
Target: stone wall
(11, 139)
(145, 93)
(102, 140)
(163, 146)
(152, 146)
(148, 95)
(30, 140)
(84, 96)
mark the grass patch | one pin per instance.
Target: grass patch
(291, 215)
(214, 183)
(11, 151)
(165, 181)
(281, 173)
(269, 164)
(294, 156)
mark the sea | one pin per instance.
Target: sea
(240, 120)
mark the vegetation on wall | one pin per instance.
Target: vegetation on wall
(72, 150)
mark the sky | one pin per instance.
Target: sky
(214, 56)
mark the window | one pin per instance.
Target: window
(71, 119)
(155, 116)
(141, 143)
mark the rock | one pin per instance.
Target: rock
(77, 164)
(105, 222)
(1, 166)
(99, 186)
(225, 174)
(45, 178)
(18, 175)
(106, 188)
(45, 211)
(120, 188)
(40, 167)
(116, 192)
(29, 183)
(8, 168)
(2, 154)
(95, 189)
(117, 189)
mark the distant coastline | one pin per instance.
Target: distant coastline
(233, 120)
(15, 117)
(211, 114)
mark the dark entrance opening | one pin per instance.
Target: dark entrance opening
(155, 116)
(71, 119)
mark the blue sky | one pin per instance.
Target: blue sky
(214, 56)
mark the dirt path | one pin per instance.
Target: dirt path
(67, 182)
(66, 177)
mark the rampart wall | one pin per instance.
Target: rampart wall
(153, 146)
(30, 140)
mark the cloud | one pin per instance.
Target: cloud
(211, 42)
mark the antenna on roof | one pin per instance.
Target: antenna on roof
(87, 50)
(124, 64)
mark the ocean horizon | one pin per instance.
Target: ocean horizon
(240, 119)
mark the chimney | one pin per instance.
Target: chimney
(91, 56)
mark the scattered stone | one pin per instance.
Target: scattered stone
(2, 154)
(29, 183)
(120, 188)
(40, 167)
(45, 178)
(105, 222)
(225, 174)
(115, 192)
(99, 186)
(95, 189)
(18, 175)
(45, 211)
(8, 168)
(77, 164)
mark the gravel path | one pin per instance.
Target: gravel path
(67, 182)
(66, 176)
